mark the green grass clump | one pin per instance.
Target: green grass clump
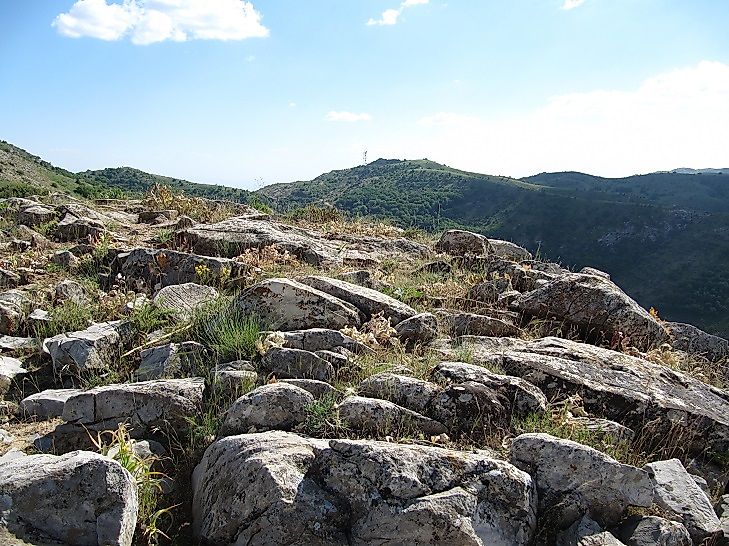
(67, 317)
(149, 317)
(224, 329)
(322, 418)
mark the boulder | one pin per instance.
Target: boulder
(651, 531)
(321, 339)
(183, 299)
(93, 348)
(172, 360)
(233, 383)
(420, 329)
(13, 305)
(594, 272)
(279, 488)
(680, 498)
(480, 325)
(489, 291)
(523, 397)
(278, 406)
(72, 228)
(438, 267)
(10, 279)
(35, 239)
(369, 302)
(586, 532)
(361, 277)
(461, 243)
(296, 364)
(470, 408)
(80, 498)
(290, 305)
(603, 427)
(510, 251)
(35, 215)
(573, 479)
(722, 511)
(17, 344)
(143, 406)
(595, 305)
(68, 290)
(383, 418)
(691, 339)
(65, 259)
(318, 389)
(408, 392)
(47, 404)
(10, 368)
(155, 217)
(626, 389)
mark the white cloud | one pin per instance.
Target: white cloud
(292, 104)
(572, 4)
(349, 117)
(390, 16)
(150, 21)
(672, 119)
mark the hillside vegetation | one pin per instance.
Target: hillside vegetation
(664, 237)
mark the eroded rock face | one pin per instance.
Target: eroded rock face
(691, 339)
(470, 408)
(93, 348)
(278, 406)
(80, 498)
(285, 304)
(369, 302)
(381, 418)
(290, 490)
(460, 243)
(73, 228)
(616, 386)
(651, 531)
(595, 305)
(35, 215)
(183, 299)
(573, 479)
(296, 364)
(681, 498)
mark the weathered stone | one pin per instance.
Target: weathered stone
(9, 279)
(183, 299)
(361, 277)
(147, 450)
(604, 427)
(678, 495)
(722, 511)
(296, 364)
(286, 489)
(172, 360)
(336, 359)
(318, 389)
(159, 268)
(438, 267)
(595, 305)
(408, 392)
(278, 406)
(651, 531)
(47, 404)
(184, 222)
(72, 228)
(65, 259)
(691, 339)
(489, 291)
(381, 417)
(573, 479)
(321, 339)
(480, 325)
(13, 304)
(586, 532)
(80, 498)
(594, 272)
(510, 251)
(369, 302)
(93, 348)
(35, 215)
(10, 368)
(626, 389)
(143, 406)
(157, 216)
(17, 344)
(233, 382)
(35, 239)
(523, 397)
(470, 408)
(285, 304)
(6, 437)
(420, 329)
(68, 290)
(460, 243)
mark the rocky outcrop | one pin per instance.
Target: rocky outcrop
(595, 305)
(321, 339)
(461, 243)
(73, 228)
(93, 348)
(80, 498)
(13, 305)
(184, 299)
(691, 339)
(381, 418)
(284, 304)
(419, 329)
(47, 404)
(172, 360)
(296, 364)
(408, 392)
(509, 250)
(463, 324)
(279, 488)
(10, 368)
(651, 531)
(35, 215)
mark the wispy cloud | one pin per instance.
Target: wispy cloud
(149, 21)
(349, 117)
(572, 4)
(391, 16)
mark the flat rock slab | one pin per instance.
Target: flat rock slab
(47, 404)
(368, 301)
(79, 498)
(321, 339)
(284, 304)
(691, 339)
(280, 488)
(94, 348)
(382, 418)
(408, 392)
(184, 299)
(296, 364)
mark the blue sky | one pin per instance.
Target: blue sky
(239, 93)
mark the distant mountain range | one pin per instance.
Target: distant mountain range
(664, 237)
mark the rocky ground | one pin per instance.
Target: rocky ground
(181, 371)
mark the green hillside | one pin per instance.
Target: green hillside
(663, 237)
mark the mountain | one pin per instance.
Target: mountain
(664, 237)
(700, 171)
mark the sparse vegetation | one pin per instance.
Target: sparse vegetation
(228, 332)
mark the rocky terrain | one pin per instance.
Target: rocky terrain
(176, 370)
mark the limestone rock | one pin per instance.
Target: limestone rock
(691, 339)
(321, 339)
(651, 531)
(47, 404)
(17, 344)
(35, 239)
(510, 251)
(595, 272)
(573, 479)
(13, 304)
(35, 215)
(460, 243)
(678, 495)
(470, 408)
(72, 228)
(65, 259)
(285, 304)
(296, 364)
(278, 406)
(596, 305)
(586, 532)
(93, 348)
(480, 325)
(489, 291)
(157, 216)
(10, 368)
(318, 389)
(408, 392)
(80, 498)
(420, 329)
(183, 299)
(604, 427)
(369, 302)
(381, 417)
(68, 290)
(172, 360)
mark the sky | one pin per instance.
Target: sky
(252, 93)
